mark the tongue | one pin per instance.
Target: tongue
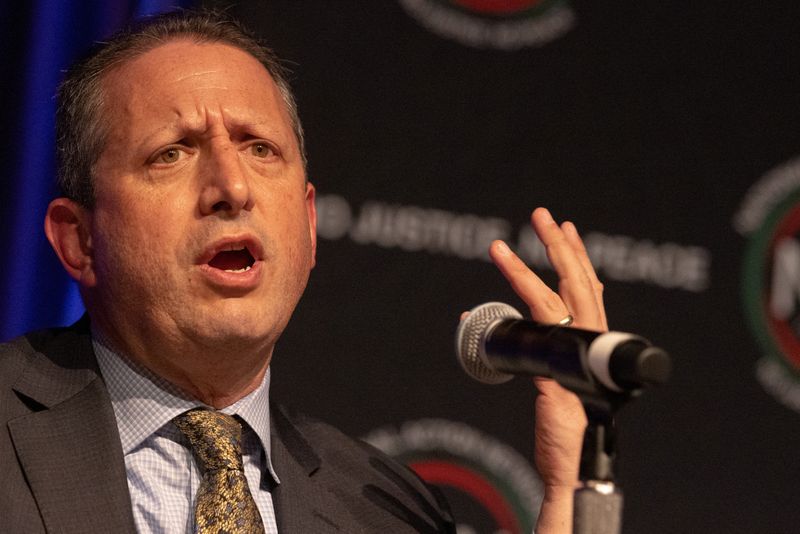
(231, 260)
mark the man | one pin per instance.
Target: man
(189, 223)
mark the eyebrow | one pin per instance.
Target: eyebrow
(264, 128)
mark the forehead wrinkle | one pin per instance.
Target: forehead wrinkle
(205, 120)
(180, 124)
(201, 119)
(204, 102)
(193, 74)
(237, 122)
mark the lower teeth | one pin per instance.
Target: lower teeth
(242, 270)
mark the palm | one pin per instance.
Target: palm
(560, 422)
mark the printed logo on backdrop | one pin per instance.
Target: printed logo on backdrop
(490, 487)
(424, 230)
(770, 219)
(499, 24)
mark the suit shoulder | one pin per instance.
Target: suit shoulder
(365, 472)
(14, 356)
(50, 342)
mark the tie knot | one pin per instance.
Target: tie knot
(215, 438)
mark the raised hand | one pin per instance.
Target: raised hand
(560, 417)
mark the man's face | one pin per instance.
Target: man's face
(203, 226)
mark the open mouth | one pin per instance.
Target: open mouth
(237, 260)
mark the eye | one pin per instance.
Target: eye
(262, 150)
(170, 155)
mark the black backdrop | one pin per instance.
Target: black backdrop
(644, 122)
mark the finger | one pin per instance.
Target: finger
(575, 286)
(574, 239)
(545, 304)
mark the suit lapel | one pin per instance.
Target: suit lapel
(70, 444)
(303, 502)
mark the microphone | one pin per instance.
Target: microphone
(494, 343)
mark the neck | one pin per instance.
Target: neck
(217, 374)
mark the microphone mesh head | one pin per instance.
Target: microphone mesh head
(470, 337)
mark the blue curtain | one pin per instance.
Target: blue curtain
(40, 39)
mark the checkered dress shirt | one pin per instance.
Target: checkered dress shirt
(163, 477)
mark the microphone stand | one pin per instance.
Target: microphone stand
(604, 376)
(598, 500)
(597, 507)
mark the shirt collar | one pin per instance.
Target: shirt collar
(144, 402)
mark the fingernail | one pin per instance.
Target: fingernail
(502, 248)
(548, 215)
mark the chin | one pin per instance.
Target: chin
(240, 329)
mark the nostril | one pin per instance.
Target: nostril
(222, 205)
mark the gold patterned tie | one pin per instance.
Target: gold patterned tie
(224, 502)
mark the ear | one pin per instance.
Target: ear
(68, 228)
(311, 209)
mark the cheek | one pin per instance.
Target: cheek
(300, 261)
(143, 217)
(130, 245)
(119, 254)
(286, 224)
(296, 228)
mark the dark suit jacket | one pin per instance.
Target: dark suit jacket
(62, 469)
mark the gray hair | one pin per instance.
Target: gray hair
(81, 131)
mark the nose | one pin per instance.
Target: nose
(225, 185)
